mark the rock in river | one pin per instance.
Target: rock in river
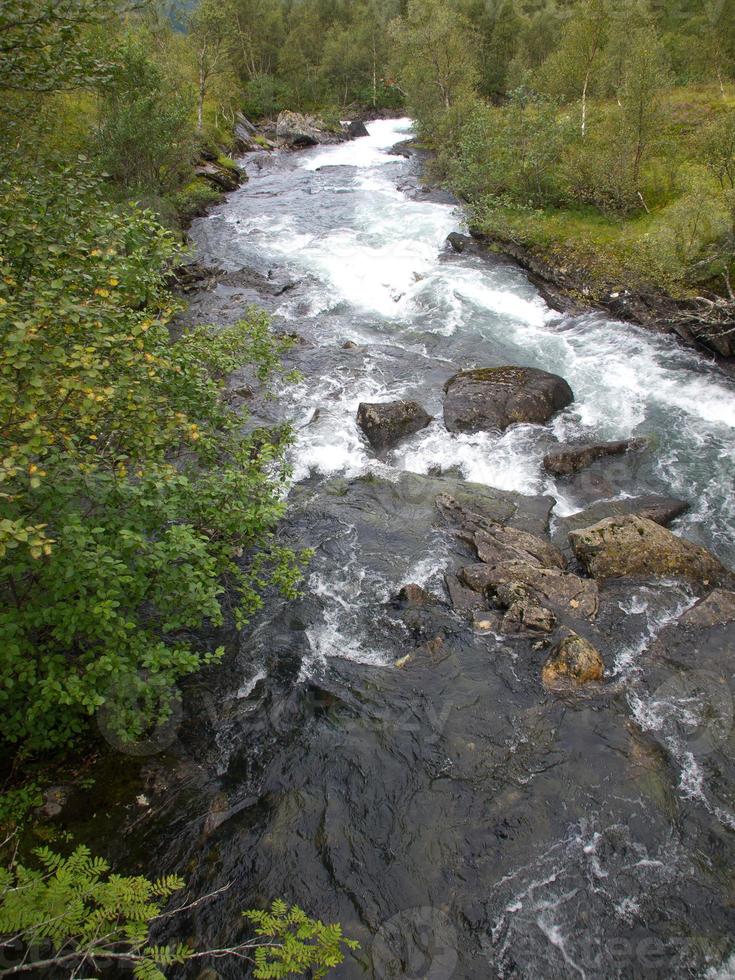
(635, 546)
(386, 423)
(572, 662)
(568, 459)
(494, 398)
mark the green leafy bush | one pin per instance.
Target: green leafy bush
(131, 502)
(146, 136)
(194, 199)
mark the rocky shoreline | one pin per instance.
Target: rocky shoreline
(697, 323)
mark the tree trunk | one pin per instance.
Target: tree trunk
(200, 97)
(584, 104)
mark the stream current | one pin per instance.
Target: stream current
(456, 819)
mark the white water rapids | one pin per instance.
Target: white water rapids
(373, 268)
(587, 836)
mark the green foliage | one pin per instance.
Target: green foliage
(74, 905)
(194, 200)
(43, 43)
(71, 911)
(145, 140)
(512, 152)
(295, 943)
(265, 96)
(436, 59)
(130, 497)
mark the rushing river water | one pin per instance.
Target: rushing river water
(455, 818)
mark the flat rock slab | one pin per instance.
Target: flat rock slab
(566, 459)
(662, 510)
(494, 398)
(635, 546)
(521, 582)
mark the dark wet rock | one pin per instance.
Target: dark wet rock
(221, 177)
(386, 423)
(252, 279)
(494, 398)
(246, 392)
(662, 510)
(463, 599)
(356, 129)
(350, 345)
(635, 546)
(460, 242)
(573, 662)
(192, 276)
(525, 616)
(569, 459)
(495, 542)
(414, 595)
(297, 131)
(717, 609)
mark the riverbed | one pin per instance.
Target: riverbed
(458, 820)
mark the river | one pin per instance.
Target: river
(456, 819)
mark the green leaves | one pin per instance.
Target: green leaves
(127, 487)
(85, 915)
(296, 943)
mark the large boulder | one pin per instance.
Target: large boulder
(297, 131)
(564, 460)
(662, 510)
(494, 398)
(572, 663)
(386, 423)
(635, 546)
(356, 129)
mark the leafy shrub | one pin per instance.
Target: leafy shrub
(515, 151)
(194, 199)
(129, 492)
(146, 138)
(71, 911)
(265, 96)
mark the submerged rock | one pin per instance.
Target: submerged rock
(717, 609)
(572, 662)
(386, 423)
(568, 459)
(494, 398)
(635, 546)
(414, 595)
